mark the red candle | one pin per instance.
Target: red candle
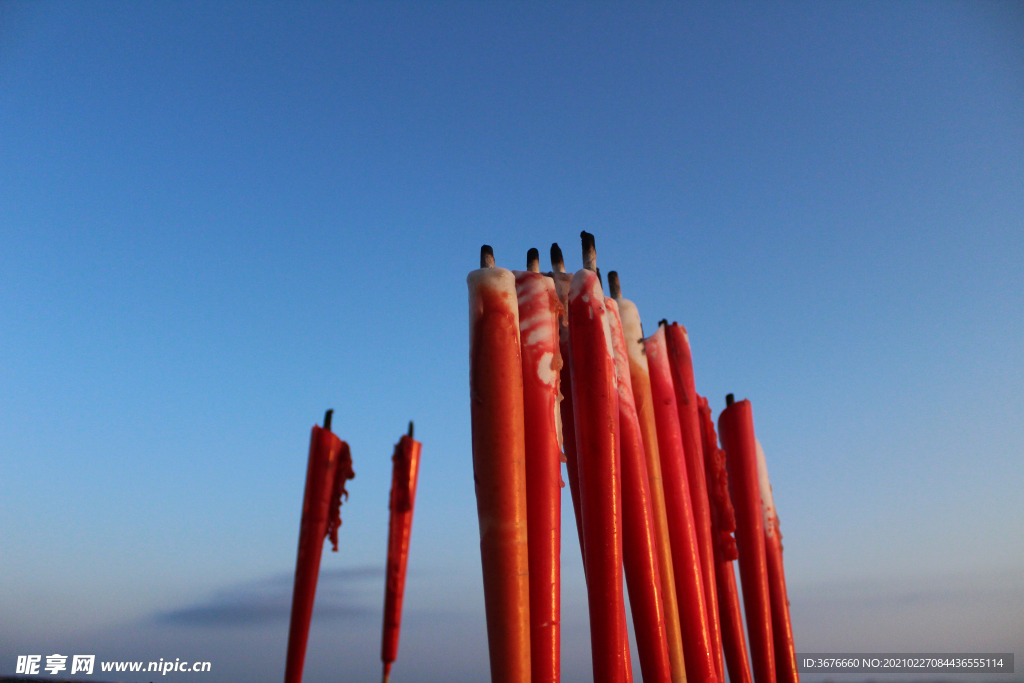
(539, 310)
(499, 466)
(595, 412)
(640, 380)
(404, 471)
(723, 523)
(639, 543)
(782, 629)
(693, 617)
(562, 282)
(681, 363)
(736, 428)
(325, 484)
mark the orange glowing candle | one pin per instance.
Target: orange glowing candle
(499, 466)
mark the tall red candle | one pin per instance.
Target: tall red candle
(328, 467)
(681, 362)
(693, 616)
(639, 543)
(404, 473)
(723, 524)
(562, 282)
(499, 467)
(539, 311)
(640, 379)
(736, 430)
(595, 413)
(782, 629)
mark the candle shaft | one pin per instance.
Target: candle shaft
(404, 473)
(640, 380)
(723, 523)
(639, 542)
(736, 429)
(539, 310)
(782, 629)
(324, 451)
(595, 413)
(693, 616)
(499, 469)
(562, 282)
(681, 363)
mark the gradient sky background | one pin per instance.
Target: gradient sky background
(219, 219)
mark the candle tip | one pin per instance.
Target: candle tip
(410, 429)
(729, 400)
(557, 262)
(589, 251)
(327, 419)
(613, 285)
(663, 321)
(533, 261)
(387, 671)
(486, 256)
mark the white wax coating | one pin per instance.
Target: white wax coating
(771, 519)
(621, 357)
(495, 281)
(562, 283)
(632, 332)
(540, 333)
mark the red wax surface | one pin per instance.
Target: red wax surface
(324, 450)
(595, 411)
(723, 524)
(404, 471)
(639, 542)
(689, 422)
(539, 310)
(736, 430)
(499, 469)
(693, 617)
(562, 283)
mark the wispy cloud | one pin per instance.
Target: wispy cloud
(341, 594)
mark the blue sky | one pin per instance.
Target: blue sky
(219, 219)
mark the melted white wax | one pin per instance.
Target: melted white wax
(767, 499)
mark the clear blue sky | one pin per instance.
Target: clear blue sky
(217, 220)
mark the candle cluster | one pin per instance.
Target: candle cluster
(559, 372)
(328, 469)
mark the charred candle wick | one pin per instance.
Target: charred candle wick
(486, 256)
(533, 261)
(557, 261)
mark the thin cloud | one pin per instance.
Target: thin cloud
(342, 594)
